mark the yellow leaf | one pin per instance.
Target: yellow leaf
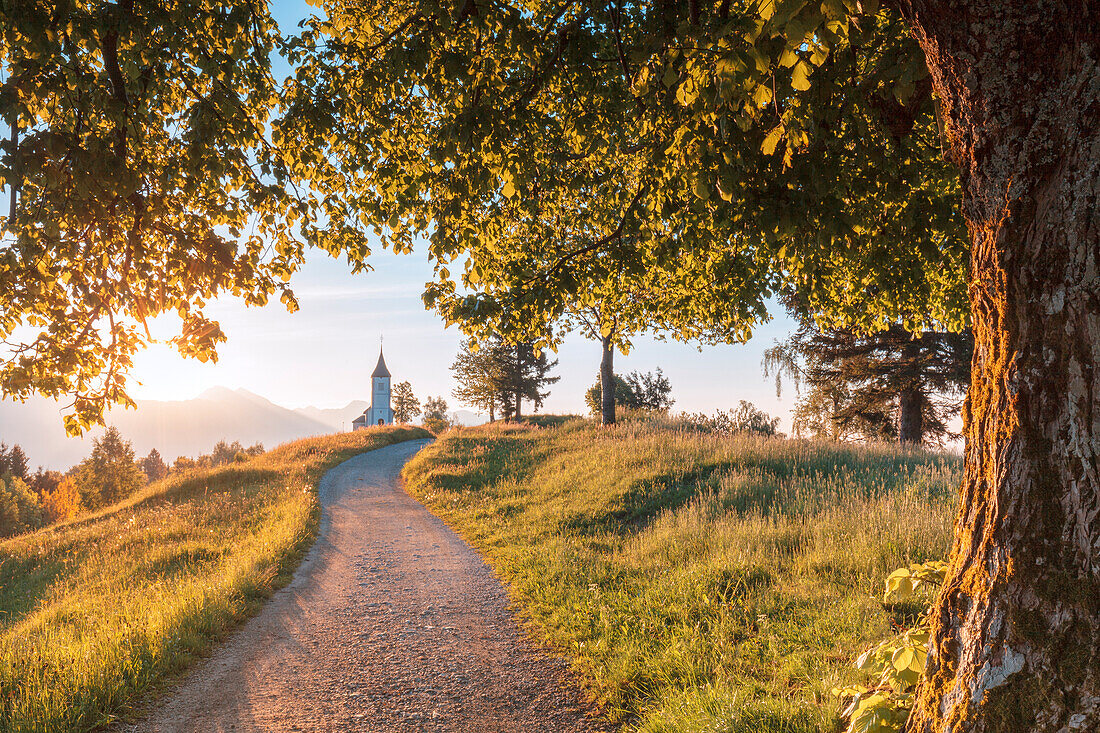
(788, 58)
(762, 95)
(800, 76)
(903, 658)
(772, 140)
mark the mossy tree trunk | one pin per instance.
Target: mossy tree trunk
(1016, 630)
(607, 382)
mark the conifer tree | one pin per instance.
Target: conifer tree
(153, 466)
(109, 474)
(17, 462)
(891, 384)
(524, 372)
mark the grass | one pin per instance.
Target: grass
(697, 582)
(99, 610)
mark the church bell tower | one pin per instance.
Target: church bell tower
(380, 412)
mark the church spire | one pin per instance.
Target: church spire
(380, 370)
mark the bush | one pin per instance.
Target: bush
(650, 391)
(895, 665)
(62, 503)
(747, 418)
(435, 415)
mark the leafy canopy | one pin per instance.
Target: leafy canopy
(147, 176)
(562, 149)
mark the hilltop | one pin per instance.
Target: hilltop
(177, 427)
(697, 580)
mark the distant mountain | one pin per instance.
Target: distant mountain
(179, 428)
(187, 427)
(465, 417)
(337, 418)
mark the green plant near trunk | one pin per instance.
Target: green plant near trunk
(895, 665)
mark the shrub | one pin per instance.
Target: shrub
(650, 391)
(747, 418)
(62, 503)
(435, 415)
(895, 665)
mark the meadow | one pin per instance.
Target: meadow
(99, 610)
(697, 582)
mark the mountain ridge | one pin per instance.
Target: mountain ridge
(178, 427)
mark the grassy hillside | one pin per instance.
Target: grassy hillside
(97, 610)
(699, 583)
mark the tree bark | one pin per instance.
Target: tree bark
(910, 416)
(1016, 629)
(911, 398)
(607, 382)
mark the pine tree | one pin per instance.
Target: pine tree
(17, 463)
(889, 385)
(405, 404)
(153, 466)
(109, 474)
(523, 374)
(13, 461)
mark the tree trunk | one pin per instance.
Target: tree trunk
(1016, 629)
(910, 416)
(607, 382)
(16, 183)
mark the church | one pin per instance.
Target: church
(380, 412)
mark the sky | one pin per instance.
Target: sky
(323, 354)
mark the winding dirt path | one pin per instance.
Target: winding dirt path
(392, 623)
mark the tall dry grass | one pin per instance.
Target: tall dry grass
(100, 609)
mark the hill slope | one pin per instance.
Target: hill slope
(698, 582)
(95, 611)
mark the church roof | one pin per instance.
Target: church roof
(380, 370)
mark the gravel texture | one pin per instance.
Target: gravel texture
(392, 623)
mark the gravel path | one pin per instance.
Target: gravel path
(392, 623)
